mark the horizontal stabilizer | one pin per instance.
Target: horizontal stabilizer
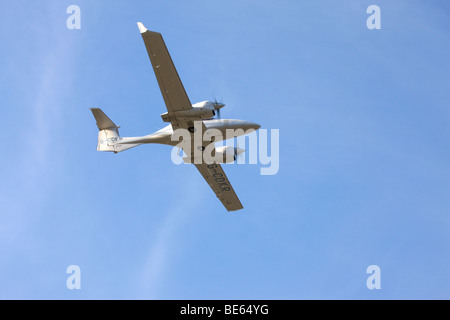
(103, 122)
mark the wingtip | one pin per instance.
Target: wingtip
(141, 27)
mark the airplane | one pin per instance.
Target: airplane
(181, 115)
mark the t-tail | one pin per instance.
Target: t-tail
(109, 138)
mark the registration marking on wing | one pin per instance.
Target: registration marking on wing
(222, 183)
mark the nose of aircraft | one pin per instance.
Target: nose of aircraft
(242, 124)
(252, 125)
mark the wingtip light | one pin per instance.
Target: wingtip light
(141, 27)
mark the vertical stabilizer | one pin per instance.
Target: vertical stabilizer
(108, 137)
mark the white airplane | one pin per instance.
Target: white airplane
(182, 115)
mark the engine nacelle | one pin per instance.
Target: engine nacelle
(227, 154)
(199, 111)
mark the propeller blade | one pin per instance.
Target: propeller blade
(238, 154)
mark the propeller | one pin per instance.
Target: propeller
(237, 152)
(217, 107)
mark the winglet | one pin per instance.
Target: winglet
(141, 27)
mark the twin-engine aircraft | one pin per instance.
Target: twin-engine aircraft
(182, 115)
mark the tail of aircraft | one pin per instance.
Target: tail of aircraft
(108, 137)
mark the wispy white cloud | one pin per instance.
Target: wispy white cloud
(157, 263)
(29, 172)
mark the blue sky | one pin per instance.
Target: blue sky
(363, 117)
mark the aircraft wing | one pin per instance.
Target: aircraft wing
(176, 99)
(214, 175)
(218, 181)
(171, 87)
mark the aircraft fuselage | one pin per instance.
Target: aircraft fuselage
(229, 128)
